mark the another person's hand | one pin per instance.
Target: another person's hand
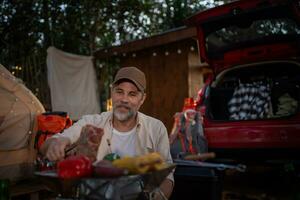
(164, 191)
(54, 148)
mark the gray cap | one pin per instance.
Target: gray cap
(133, 74)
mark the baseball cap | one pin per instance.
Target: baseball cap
(133, 74)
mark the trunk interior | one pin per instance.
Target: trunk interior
(257, 91)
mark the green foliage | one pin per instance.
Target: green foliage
(29, 27)
(83, 26)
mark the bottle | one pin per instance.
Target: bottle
(4, 189)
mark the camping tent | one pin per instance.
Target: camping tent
(18, 126)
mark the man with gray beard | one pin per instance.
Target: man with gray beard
(127, 132)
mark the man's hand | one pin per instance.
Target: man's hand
(54, 148)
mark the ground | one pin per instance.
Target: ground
(269, 181)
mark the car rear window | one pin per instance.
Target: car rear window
(244, 34)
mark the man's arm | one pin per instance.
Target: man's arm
(167, 187)
(54, 148)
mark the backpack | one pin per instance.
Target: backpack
(187, 134)
(50, 123)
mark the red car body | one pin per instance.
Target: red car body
(271, 54)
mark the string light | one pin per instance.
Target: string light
(109, 104)
(179, 51)
(18, 68)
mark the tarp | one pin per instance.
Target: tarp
(18, 126)
(73, 84)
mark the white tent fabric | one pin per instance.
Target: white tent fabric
(72, 82)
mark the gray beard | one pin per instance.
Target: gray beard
(123, 116)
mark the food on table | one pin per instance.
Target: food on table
(75, 166)
(104, 168)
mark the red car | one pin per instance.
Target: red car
(250, 104)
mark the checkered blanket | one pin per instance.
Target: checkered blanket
(250, 101)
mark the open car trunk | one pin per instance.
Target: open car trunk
(255, 91)
(251, 102)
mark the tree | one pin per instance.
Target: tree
(28, 28)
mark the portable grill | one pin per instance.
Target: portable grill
(127, 187)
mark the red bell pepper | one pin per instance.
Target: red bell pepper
(76, 166)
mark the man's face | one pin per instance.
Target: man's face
(126, 100)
